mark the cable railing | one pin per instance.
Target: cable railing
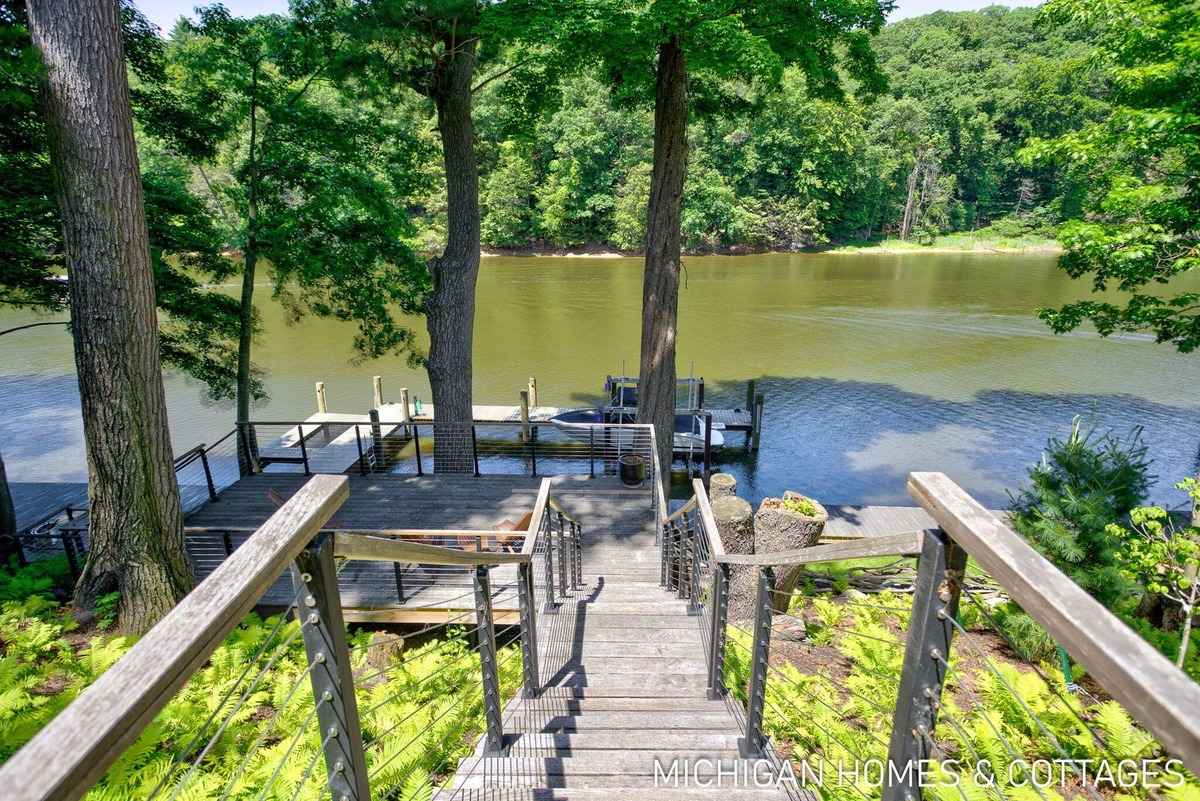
(403, 447)
(870, 696)
(213, 703)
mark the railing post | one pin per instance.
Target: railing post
(562, 556)
(485, 634)
(716, 637)
(208, 479)
(926, 653)
(529, 647)
(694, 578)
(551, 607)
(475, 450)
(682, 544)
(227, 543)
(664, 552)
(303, 449)
(751, 746)
(416, 431)
(591, 450)
(577, 573)
(533, 451)
(398, 574)
(72, 557)
(708, 421)
(324, 633)
(362, 462)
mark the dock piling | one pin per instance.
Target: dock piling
(322, 405)
(525, 415)
(377, 387)
(756, 422)
(533, 392)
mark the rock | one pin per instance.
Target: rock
(384, 649)
(720, 485)
(735, 524)
(791, 629)
(777, 528)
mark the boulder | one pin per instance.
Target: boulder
(720, 485)
(779, 526)
(384, 649)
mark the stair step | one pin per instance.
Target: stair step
(642, 665)
(609, 769)
(561, 701)
(592, 649)
(617, 792)
(657, 621)
(720, 722)
(665, 606)
(636, 686)
(533, 744)
(592, 633)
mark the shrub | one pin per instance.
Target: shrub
(1081, 485)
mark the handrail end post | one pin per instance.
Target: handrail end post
(752, 745)
(486, 635)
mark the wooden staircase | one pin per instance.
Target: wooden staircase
(627, 688)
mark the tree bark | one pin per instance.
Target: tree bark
(136, 525)
(660, 287)
(450, 310)
(247, 441)
(8, 521)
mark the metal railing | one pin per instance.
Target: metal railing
(408, 447)
(906, 724)
(319, 692)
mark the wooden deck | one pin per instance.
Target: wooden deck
(36, 501)
(377, 591)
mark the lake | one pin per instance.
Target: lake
(872, 366)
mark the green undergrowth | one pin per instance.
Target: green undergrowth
(418, 719)
(830, 701)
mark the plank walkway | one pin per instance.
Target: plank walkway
(624, 670)
(36, 501)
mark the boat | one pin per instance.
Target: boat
(578, 424)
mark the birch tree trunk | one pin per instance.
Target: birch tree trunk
(450, 311)
(136, 525)
(660, 287)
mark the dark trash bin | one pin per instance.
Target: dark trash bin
(633, 469)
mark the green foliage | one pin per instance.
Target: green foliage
(801, 506)
(1139, 164)
(106, 609)
(1081, 485)
(41, 578)
(997, 712)
(418, 720)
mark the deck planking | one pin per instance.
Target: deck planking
(36, 501)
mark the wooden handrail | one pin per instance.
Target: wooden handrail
(74, 750)
(1155, 692)
(682, 510)
(397, 533)
(908, 544)
(707, 521)
(535, 522)
(658, 485)
(381, 549)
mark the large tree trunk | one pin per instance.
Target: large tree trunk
(450, 311)
(136, 526)
(247, 440)
(8, 521)
(660, 287)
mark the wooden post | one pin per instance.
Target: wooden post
(525, 415)
(756, 422)
(377, 387)
(405, 415)
(533, 393)
(926, 655)
(324, 633)
(708, 422)
(322, 406)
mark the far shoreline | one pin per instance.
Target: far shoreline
(884, 248)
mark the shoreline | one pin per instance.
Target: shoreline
(979, 249)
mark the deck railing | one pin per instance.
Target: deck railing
(914, 723)
(329, 700)
(408, 447)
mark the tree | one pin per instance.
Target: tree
(434, 48)
(706, 56)
(1142, 222)
(308, 183)
(1164, 559)
(136, 524)
(8, 520)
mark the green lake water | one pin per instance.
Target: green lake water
(872, 366)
